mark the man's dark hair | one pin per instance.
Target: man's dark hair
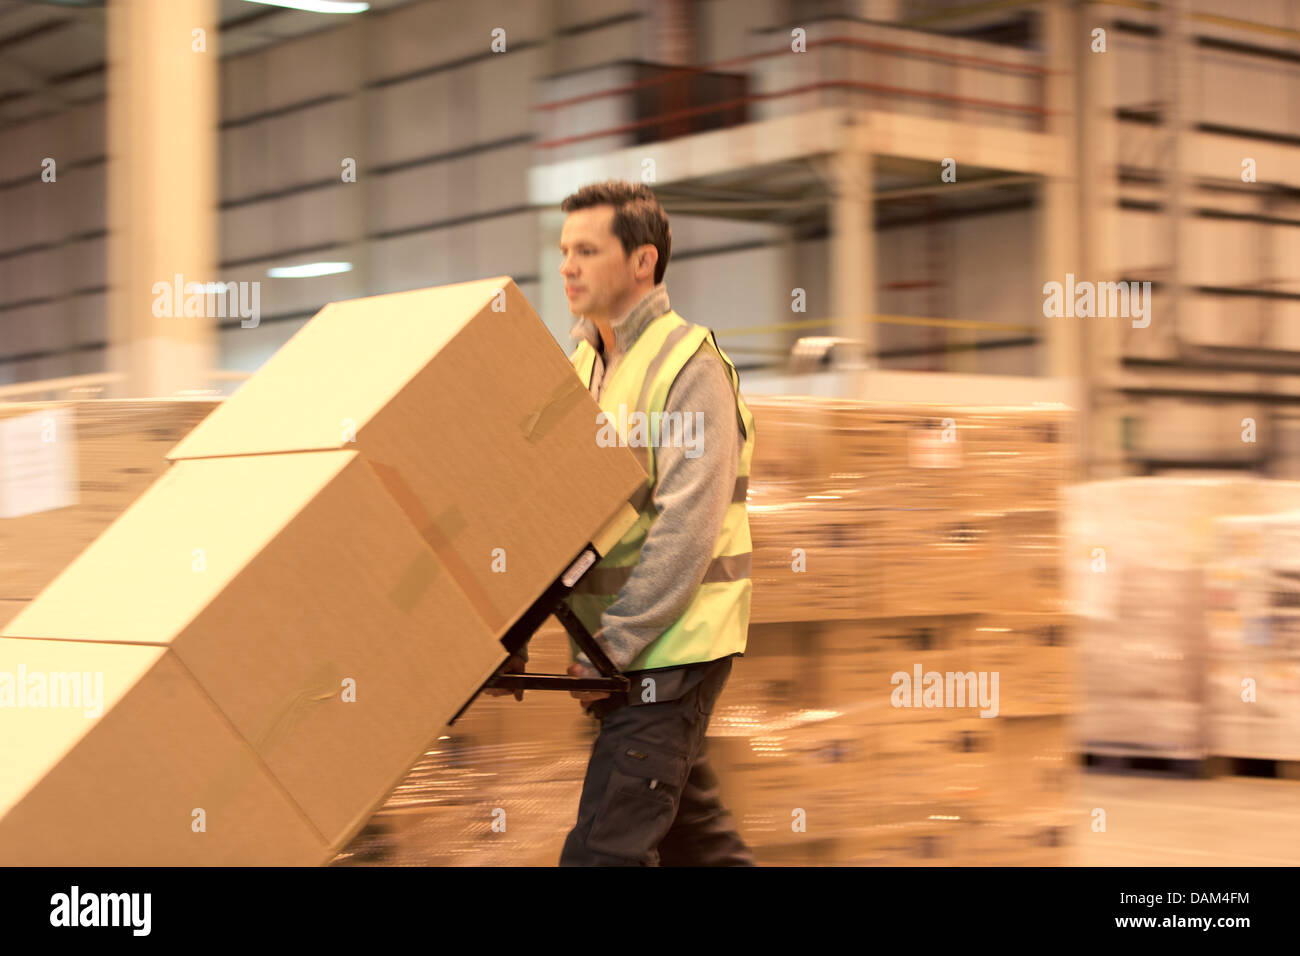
(639, 220)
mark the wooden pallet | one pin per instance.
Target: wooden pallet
(1228, 766)
(1174, 765)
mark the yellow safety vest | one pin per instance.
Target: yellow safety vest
(716, 622)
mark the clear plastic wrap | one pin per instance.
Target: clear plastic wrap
(885, 537)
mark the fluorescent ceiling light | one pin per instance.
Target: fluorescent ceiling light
(309, 270)
(316, 6)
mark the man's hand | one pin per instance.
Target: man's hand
(515, 665)
(585, 697)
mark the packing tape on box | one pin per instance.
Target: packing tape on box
(415, 580)
(559, 403)
(324, 684)
(439, 533)
(222, 787)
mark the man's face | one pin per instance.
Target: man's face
(598, 275)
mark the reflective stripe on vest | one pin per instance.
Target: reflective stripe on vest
(715, 623)
(728, 567)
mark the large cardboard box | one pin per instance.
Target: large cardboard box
(297, 597)
(471, 414)
(126, 761)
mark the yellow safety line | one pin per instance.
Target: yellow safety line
(1245, 25)
(1232, 22)
(883, 320)
(954, 12)
(1206, 18)
(1133, 4)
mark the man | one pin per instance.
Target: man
(670, 603)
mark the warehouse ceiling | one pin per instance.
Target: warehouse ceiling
(52, 52)
(52, 55)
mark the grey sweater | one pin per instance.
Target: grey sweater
(691, 494)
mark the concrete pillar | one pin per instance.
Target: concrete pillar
(1176, 65)
(853, 246)
(551, 303)
(162, 190)
(1102, 406)
(1059, 221)
(367, 129)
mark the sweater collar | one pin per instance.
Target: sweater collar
(629, 327)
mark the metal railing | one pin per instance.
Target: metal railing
(856, 44)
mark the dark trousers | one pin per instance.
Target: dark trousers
(650, 797)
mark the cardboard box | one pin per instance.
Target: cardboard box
(129, 782)
(794, 784)
(940, 769)
(903, 510)
(796, 450)
(1025, 552)
(1266, 727)
(1017, 455)
(9, 610)
(1033, 657)
(927, 561)
(1254, 638)
(942, 841)
(858, 660)
(1033, 763)
(109, 452)
(777, 678)
(471, 414)
(1040, 839)
(812, 558)
(281, 582)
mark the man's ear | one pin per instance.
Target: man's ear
(648, 258)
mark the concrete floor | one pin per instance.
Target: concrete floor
(1155, 820)
(1151, 820)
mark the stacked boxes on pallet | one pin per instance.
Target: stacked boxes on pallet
(67, 470)
(1138, 550)
(1253, 593)
(892, 540)
(915, 550)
